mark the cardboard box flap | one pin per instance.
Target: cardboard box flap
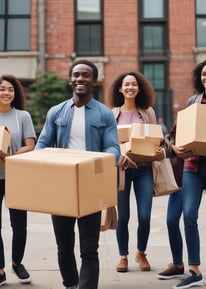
(145, 140)
(62, 156)
(5, 140)
(124, 131)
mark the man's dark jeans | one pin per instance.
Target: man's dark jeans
(89, 230)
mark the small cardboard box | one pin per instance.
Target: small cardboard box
(5, 141)
(61, 181)
(190, 130)
(144, 141)
(124, 132)
(138, 158)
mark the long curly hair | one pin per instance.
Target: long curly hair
(199, 87)
(145, 97)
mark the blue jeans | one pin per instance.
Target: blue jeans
(142, 180)
(18, 220)
(186, 201)
(89, 229)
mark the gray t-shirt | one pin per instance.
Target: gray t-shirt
(20, 125)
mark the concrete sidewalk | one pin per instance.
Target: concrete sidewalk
(41, 259)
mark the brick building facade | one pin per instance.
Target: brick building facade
(127, 28)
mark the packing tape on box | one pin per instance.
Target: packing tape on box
(98, 166)
(146, 129)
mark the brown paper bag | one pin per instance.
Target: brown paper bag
(109, 219)
(163, 177)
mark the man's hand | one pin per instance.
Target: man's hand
(125, 162)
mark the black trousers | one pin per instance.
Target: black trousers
(89, 230)
(18, 220)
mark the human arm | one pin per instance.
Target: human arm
(182, 153)
(48, 132)
(28, 133)
(172, 150)
(124, 161)
(22, 132)
(160, 154)
(29, 144)
(111, 142)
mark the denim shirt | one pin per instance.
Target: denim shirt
(101, 129)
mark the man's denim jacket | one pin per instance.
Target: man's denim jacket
(101, 129)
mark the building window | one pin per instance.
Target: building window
(200, 23)
(152, 9)
(89, 28)
(153, 27)
(153, 39)
(14, 25)
(153, 53)
(156, 72)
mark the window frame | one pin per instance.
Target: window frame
(6, 17)
(163, 103)
(162, 21)
(199, 16)
(163, 96)
(141, 10)
(89, 22)
(165, 72)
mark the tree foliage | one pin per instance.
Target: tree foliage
(46, 91)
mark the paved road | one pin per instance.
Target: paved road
(40, 257)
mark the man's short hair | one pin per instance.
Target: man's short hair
(87, 62)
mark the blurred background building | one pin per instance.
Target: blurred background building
(164, 39)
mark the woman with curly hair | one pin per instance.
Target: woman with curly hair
(132, 98)
(187, 201)
(14, 116)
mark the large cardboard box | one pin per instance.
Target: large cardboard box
(144, 141)
(61, 181)
(124, 132)
(5, 141)
(190, 130)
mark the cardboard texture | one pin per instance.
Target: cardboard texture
(61, 181)
(124, 132)
(138, 158)
(190, 130)
(144, 141)
(5, 141)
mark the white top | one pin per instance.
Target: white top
(77, 135)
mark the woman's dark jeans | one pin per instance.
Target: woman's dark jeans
(18, 220)
(186, 201)
(142, 180)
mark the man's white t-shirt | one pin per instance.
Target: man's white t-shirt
(77, 134)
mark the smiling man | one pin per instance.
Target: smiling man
(86, 124)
